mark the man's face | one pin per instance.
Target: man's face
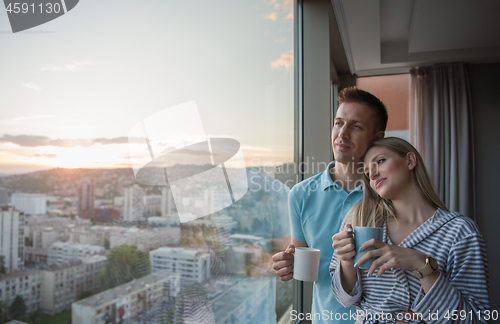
(353, 131)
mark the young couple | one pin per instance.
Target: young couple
(431, 265)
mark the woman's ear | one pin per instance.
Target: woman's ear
(411, 160)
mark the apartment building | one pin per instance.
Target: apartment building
(43, 231)
(146, 239)
(192, 265)
(125, 303)
(34, 256)
(30, 204)
(64, 252)
(63, 284)
(26, 283)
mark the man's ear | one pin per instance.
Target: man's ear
(411, 160)
(380, 134)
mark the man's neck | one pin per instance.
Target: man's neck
(346, 175)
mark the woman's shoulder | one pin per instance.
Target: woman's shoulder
(458, 225)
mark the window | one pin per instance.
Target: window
(81, 101)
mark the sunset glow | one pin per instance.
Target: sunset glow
(106, 156)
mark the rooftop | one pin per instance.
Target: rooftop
(177, 250)
(62, 266)
(94, 258)
(20, 194)
(17, 274)
(86, 247)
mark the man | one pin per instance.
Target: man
(319, 204)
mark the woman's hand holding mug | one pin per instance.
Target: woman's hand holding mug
(343, 244)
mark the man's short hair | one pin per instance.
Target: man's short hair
(355, 95)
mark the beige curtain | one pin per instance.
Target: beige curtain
(441, 130)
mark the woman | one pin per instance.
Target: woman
(431, 266)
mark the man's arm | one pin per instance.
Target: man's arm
(299, 243)
(282, 243)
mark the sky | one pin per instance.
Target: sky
(73, 88)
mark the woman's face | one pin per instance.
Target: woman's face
(389, 173)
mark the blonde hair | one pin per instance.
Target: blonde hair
(373, 210)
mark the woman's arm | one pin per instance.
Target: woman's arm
(461, 296)
(345, 283)
(393, 256)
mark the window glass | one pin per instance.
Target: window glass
(149, 139)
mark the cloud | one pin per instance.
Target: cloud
(288, 7)
(34, 141)
(286, 60)
(116, 140)
(32, 86)
(73, 66)
(35, 117)
(49, 156)
(272, 16)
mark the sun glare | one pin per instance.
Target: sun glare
(96, 156)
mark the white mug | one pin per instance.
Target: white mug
(306, 264)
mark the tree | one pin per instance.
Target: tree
(4, 316)
(106, 244)
(27, 241)
(125, 262)
(2, 264)
(86, 294)
(18, 308)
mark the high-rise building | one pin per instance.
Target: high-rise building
(11, 245)
(133, 208)
(152, 205)
(167, 202)
(30, 204)
(86, 199)
(209, 200)
(4, 200)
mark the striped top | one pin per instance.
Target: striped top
(454, 241)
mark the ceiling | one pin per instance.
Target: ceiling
(392, 36)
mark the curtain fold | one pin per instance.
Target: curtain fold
(441, 130)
